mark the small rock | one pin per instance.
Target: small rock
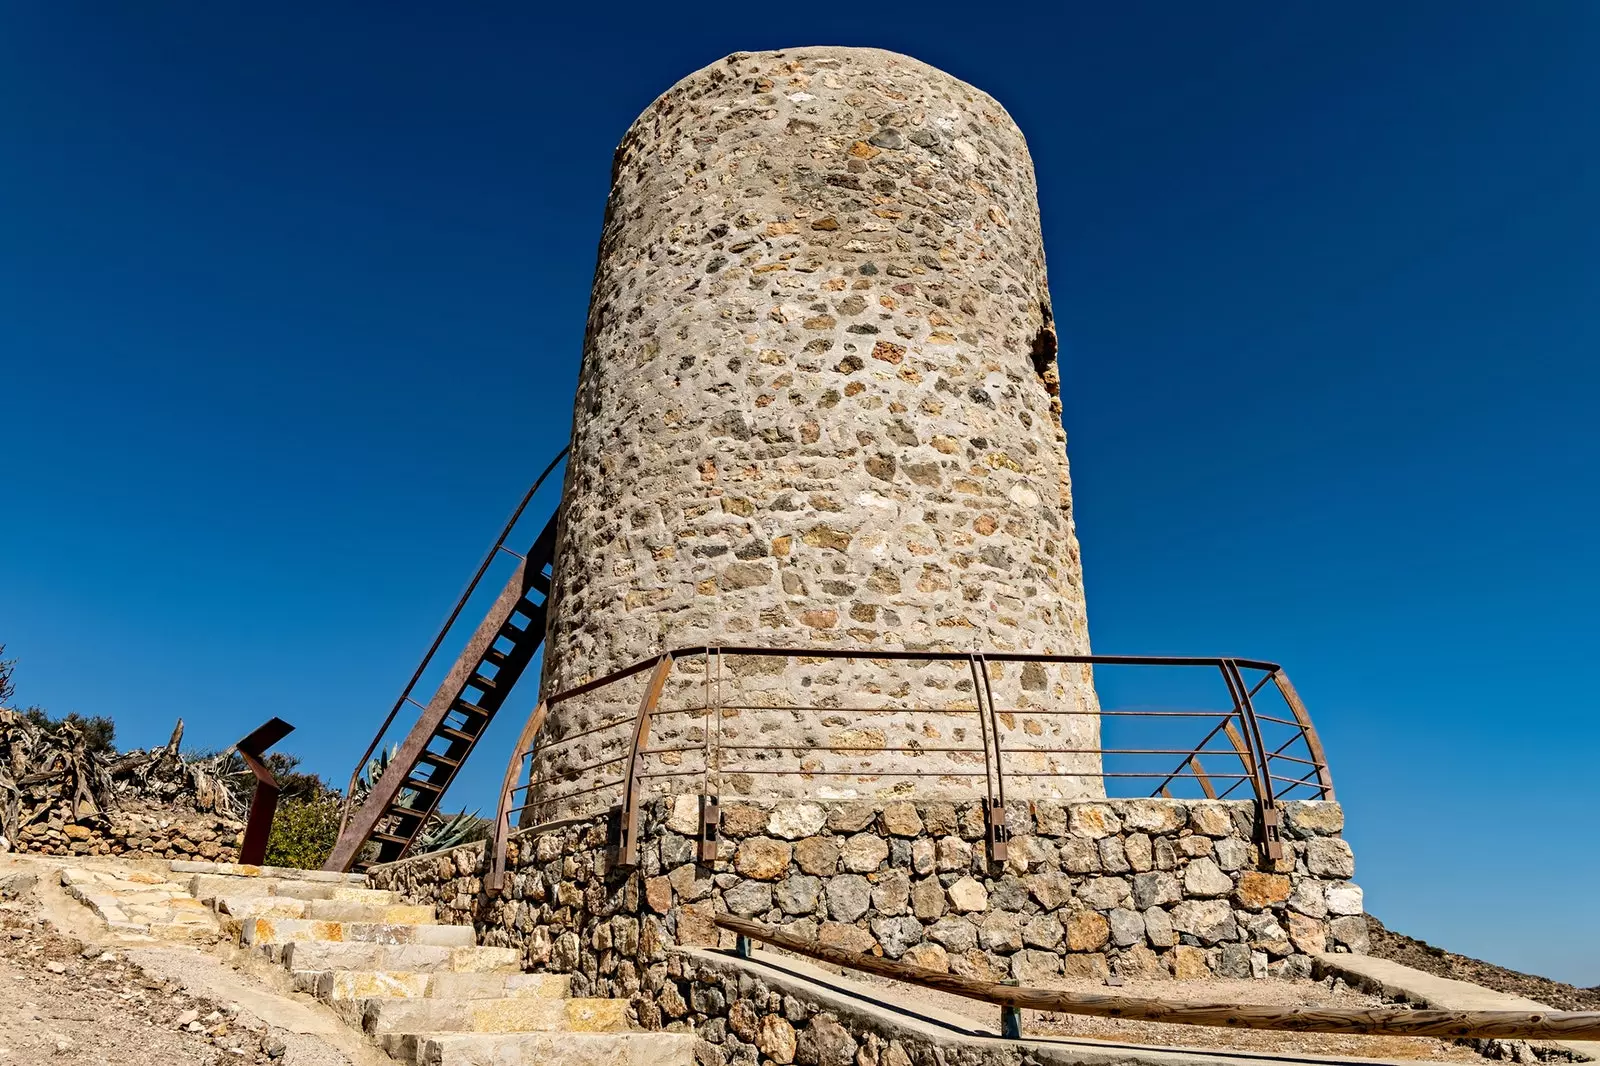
(55, 967)
(185, 1018)
(968, 895)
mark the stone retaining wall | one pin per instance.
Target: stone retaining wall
(1133, 887)
(156, 831)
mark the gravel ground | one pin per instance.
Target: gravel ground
(69, 1003)
(1420, 955)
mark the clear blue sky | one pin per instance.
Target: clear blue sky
(291, 306)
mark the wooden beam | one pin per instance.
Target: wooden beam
(1375, 1021)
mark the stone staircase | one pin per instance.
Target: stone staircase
(424, 992)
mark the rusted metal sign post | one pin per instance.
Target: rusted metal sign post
(264, 804)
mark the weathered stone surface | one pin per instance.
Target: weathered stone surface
(1189, 963)
(1155, 888)
(1103, 893)
(897, 934)
(927, 899)
(1234, 961)
(1158, 928)
(1087, 931)
(1264, 933)
(1136, 846)
(1344, 898)
(1153, 816)
(1080, 855)
(1310, 898)
(1043, 931)
(1000, 932)
(776, 1039)
(1202, 879)
(967, 894)
(1233, 853)
(749, 898)
(850, 817)
(845, 937)
(956, 934)
(798, 894)
(864, 853)
(825, 1043)
(1210, 819)
(1113, 858)
(1330, 857)
(1031, 967)
(1259, 890)
(1127, 927)
(1211, 920)
(849, 896)
(1307, 934)
(792, 821)
(954, 854)
(1051, 888)
(762, 858)
(901, 820)
(1094, 820)
(929, 956)
(818, 856)
(1309, 818)
(1350, 931)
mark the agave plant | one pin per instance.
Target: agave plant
(439, 832)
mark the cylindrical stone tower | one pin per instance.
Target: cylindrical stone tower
(819, 406)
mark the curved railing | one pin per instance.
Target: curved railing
(1278, 756)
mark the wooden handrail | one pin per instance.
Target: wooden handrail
(1375, 1021)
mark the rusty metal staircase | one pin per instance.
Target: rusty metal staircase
(400, 802)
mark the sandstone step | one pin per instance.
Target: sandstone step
(211, 886)
(516, 1015)
(367, 984)
(322, 955)
(284, 930)
(287, 873)
(546, 1049)
(328, 910)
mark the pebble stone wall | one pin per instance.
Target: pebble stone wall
(1134, 887)
(819, 403)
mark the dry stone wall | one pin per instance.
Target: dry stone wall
(1131, 887)
(819, 403)
(147, 830)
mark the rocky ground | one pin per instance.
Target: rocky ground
(74, 1004)
(1420, 955)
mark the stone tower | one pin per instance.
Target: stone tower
(819, 405)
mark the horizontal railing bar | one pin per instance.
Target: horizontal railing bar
(1292, 758)
(1045, 712)
(797, 772)
(673, 773)
(1372, 1021)
(1097, 773)
(821, 747)
(1280, 721)
(553, 741)
(850, 710)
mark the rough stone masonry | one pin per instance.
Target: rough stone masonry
(819, 405)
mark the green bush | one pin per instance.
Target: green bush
(303, 832)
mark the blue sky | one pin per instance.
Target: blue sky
(291, 305)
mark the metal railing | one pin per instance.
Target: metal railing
(705, 716)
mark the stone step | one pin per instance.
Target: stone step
(284, 930)
(370, 984)
(327, 910)
(546, 1049)
(321, 955)
(287, 873)
(517, 1015)
(211, 886)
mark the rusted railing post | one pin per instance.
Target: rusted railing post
(264, 804)
(1269, 824)
(633, 784)
(1309, 731)
(508, 791)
